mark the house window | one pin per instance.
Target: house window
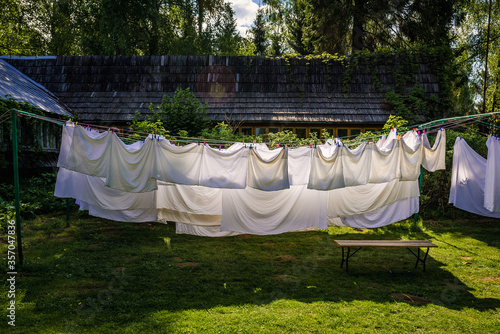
(260, 131)
(246, 131)
(274, 130)
(300, 132)
(355, 132)
(343, 133)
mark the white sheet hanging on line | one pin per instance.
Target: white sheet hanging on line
(131, 166)
(194, 205)
(177, 164)
(268, 170)
(92, 190)
(224, 168)
(433, 158)
(367, 198)
(386, 215)
(129, 216)
(492, 184)
(468, 177)
(261, 212)
(89, 152)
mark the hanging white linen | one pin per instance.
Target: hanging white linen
(193, 205)
(224, 168)
(130, 166)
(261, 212)
(299, 165)
(66, 140)
(92, 189)
(177, 164)
(129, 216)
(89, 152)
(386, 162)
(367, 198)
(202, 231)
(492, 178)
(268, 170)
(355, 164)
(468, 180)
(386, 215)
(411, 161)
(326, 171)
(433, 158)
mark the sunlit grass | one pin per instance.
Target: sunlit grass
(98, 276)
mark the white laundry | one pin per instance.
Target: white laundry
(492, 183)
(468, 179)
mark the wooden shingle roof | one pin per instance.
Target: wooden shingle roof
(16, 85)
(110, 89)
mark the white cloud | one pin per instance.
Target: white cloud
(245, 12)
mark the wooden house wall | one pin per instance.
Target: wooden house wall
(250, 90)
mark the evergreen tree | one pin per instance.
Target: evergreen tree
(258, 32)
(227, 39)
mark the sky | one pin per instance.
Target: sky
(245, 10)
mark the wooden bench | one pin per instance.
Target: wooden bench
(383, 244)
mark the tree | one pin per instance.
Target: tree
(296, 24)
(227, 39)
(182, 112)
(258, 32)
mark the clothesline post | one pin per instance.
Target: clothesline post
(420, 179)
(67, 212)
(16, 186)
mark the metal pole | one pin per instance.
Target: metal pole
(486, 61)
(16, 186)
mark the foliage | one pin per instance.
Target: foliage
(183, 111)
(36, 197)
(258, 33)
(107, 27)
(151, 124)
(397, 122)
(224, 132)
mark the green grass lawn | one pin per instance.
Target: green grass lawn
(98, 276)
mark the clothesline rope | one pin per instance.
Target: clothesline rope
(133, 135)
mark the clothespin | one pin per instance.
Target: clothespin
(284, 146)
(251, 146)
(204, 142)
(440, 128)
(314, 145)
(278, 145)
(219, 147)
(310, 145)
(245, 145)
(76, 123)
(198, 142)
(424, 131)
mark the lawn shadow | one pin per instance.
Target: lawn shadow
(109, 270)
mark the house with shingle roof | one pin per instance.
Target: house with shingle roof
(258, 94)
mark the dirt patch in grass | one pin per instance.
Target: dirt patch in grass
(489, 279)
(245, 236)
(176, 258)
(187, 264)
(129, 259)
(466, 257)
(287, 257)
(268, 243)
(63, 238)
(406, 297)
(95, 246)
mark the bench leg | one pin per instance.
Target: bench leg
(346, 258)
(419, 259)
